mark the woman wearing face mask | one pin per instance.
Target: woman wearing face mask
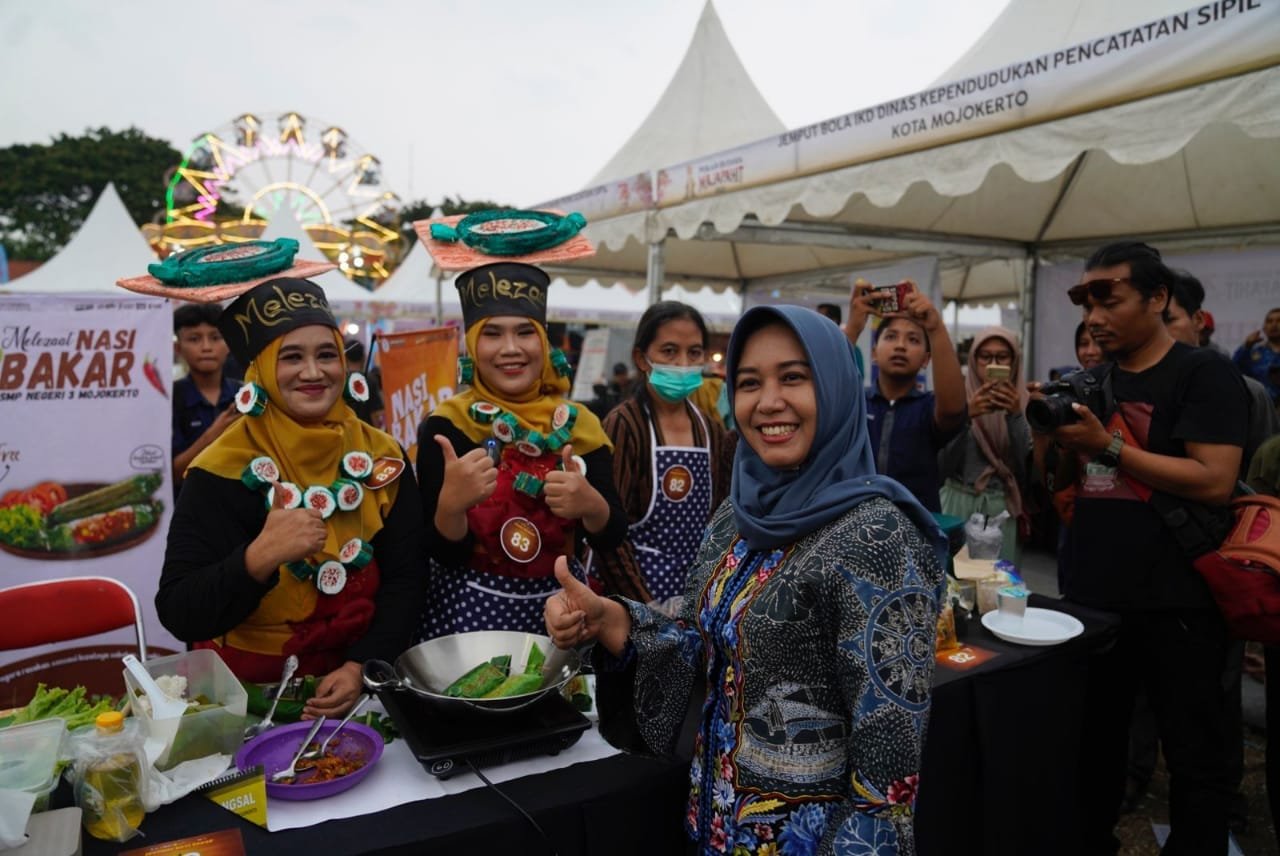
(671, 463)
(810, 615)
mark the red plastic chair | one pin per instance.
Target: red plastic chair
(58, 610)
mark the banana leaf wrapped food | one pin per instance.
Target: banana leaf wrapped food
(533, 666)
(516, 685)
(480, 680)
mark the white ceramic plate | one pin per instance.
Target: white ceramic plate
(1037, 627)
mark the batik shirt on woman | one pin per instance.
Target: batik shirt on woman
(819, 662)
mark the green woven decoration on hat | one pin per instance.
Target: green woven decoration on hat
(555, 230)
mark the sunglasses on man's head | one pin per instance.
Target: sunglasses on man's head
(1098, 289)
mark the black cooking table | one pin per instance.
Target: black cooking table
(998, 778)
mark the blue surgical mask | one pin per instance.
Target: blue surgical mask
(675, 383)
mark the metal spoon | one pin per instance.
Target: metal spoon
(290, 666)
(324, 747)
(289, 772)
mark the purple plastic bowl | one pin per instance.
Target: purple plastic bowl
(276, 748)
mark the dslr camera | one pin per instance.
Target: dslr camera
(1054, 410)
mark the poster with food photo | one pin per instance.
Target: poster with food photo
(85, 484)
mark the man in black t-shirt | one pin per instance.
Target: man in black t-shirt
(1178, 426)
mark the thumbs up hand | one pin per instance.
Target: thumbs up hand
(575, 615)
(288, 535)
(468, 480)
(571, 496)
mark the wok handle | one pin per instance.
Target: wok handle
(380, 675)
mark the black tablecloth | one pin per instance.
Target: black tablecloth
(998, 775)
(997, 778)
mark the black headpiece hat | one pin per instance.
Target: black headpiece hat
(503, 288)
(268, 311)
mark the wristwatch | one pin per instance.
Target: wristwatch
(1111, 455)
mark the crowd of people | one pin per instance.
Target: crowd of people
(748, 552)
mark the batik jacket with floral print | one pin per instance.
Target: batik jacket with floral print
(819, 664)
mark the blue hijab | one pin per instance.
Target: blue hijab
(775, 508)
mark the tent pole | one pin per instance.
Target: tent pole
(1029, 316)
(440, 299)
(655, 273)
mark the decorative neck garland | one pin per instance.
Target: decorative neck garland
(533, 444)
(510, 242)
(345, 494)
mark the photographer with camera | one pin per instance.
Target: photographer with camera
(1165, 417)
(907, 425)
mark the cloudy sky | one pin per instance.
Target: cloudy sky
(515, 101)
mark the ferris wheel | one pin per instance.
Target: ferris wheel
(234, 181)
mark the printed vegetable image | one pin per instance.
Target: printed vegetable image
(22, 526)
(54, 520)
(152, 373)
(105, 527)
(133, 489)
(43, 497)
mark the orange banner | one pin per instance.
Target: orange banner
(419, 369)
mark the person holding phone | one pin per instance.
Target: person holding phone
(908, 425)
(985, 468)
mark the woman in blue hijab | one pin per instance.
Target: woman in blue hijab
(811, 612)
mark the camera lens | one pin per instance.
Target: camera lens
(1046, 414)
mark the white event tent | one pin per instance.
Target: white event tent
(1065, 125)
(106, 247)
(711, 103)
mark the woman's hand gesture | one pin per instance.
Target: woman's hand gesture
(575, 615)
(288, 535)
(468, 480)
(569, 495)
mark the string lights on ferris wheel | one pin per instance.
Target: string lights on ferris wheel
(235, 180)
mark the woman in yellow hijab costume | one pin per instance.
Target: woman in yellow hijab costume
(513, 474)
(298, 531)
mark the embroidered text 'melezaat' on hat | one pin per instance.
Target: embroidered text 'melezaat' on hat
(268, 311)
(503, 288)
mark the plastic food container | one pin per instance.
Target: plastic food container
(218, 731)
(29, 758)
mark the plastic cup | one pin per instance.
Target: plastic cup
(1012, 601)
(988, 589)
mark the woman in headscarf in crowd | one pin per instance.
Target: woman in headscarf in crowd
(808, 742)
(985, 468)
(1088, 354)
(513, 474)
(671, 462)
(297, 531)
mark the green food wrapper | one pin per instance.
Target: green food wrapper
(533, 666)
(515, 685)
(477, 682)
(578, 693)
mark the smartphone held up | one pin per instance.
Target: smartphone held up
(887, 299)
